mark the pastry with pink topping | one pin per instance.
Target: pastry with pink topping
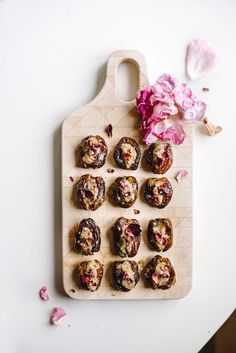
(87, 236)
(91, 152)
(158, 192)
(160, 234)
(127, 153)
(89, 192)
(125, 275)
(125, 191)
(90, 275)
(126, 236)
(160, 273)
(159, 157)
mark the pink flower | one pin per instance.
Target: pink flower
(201, 58)
(56, 315)
(165, 106)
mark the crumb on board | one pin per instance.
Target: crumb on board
(108, 130)
(72, 290)
(110, 170)
(205, 89)
(71, 179)
(136, 211)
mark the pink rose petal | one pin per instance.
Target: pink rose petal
(211, 129)
(56, 315)
(43, 293)
(165, 130)
(181, 175)
(201, 58)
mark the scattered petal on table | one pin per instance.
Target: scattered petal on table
(57, 314)
(43, 293)
(181, 175)
(211, 129)
(201, 58)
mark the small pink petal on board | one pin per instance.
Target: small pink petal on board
(211, 129)
(201, 58)
(181, 175)
(43, 293)
(56, 315)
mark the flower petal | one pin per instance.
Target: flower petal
(43, 293)
(56, 315)
(181, 175)
(201, 58)
(165, 130)
(196, 113)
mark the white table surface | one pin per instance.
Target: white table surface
(52, 56)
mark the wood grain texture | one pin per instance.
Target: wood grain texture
(91, 120)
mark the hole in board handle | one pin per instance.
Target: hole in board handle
(127, 81)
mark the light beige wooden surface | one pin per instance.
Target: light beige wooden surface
(91, 120)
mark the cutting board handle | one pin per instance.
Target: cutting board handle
(108, 94)
(132, 56)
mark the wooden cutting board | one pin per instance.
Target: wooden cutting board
(92, 119)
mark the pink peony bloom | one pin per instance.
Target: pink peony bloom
(56, 315)
(165, 106)
(201, 58)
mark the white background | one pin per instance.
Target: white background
(52, 56)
